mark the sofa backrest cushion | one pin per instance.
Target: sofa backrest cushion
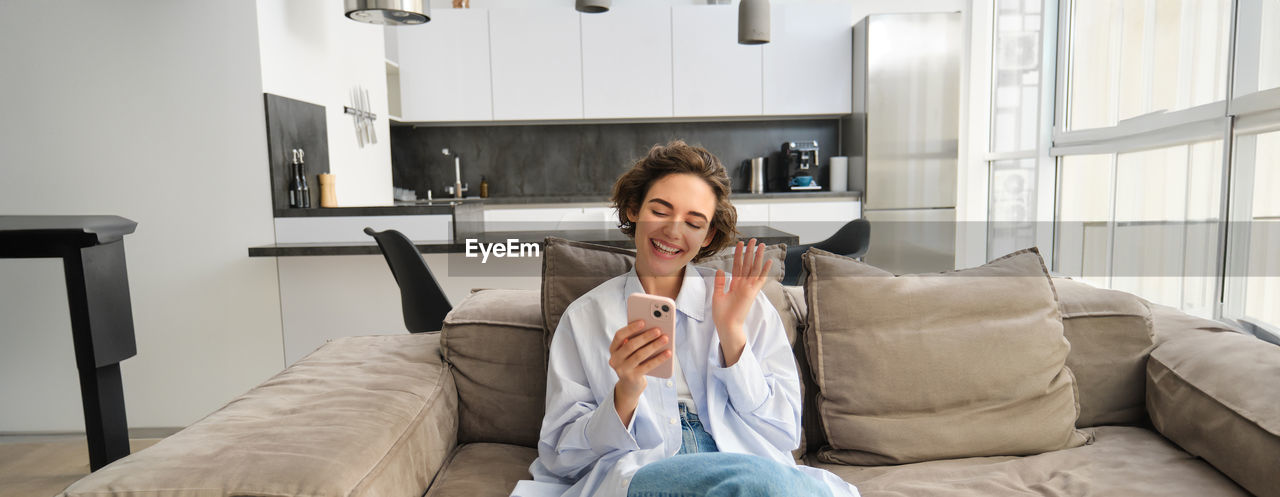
(936, 366)
(1215, 395)
(1111, 337)
(493, 341)
(571, 269)
(811, 435)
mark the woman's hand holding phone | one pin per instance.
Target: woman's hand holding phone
(632, 356)
(729, 306)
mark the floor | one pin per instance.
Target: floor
(42, 465)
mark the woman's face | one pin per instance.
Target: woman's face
(673, 223)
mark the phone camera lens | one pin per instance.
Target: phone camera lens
(657, 314)
(665, 308)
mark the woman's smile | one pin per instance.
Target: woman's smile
(664, 249)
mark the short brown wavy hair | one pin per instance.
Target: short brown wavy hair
(678, 157)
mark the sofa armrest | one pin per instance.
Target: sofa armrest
(372, 415)
(1217, 395)
(494, 342)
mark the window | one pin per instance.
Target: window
(1131, 58)
(1257, 283)
(1084, 218)
(1149, 105)
(1014, 147)
(1162, 218)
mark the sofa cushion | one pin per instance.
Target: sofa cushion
(934, 366)
(811, 432)
(1110, 335)
(1122, 462)
(1169, 323)
(484, 469)
(493, 340)
(359, 416)
(571, 269)
(1215, 394)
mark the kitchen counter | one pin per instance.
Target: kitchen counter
(610, 237)
(446, 206)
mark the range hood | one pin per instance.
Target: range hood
(388, 12)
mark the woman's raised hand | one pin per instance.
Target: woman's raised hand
(729, 306)
(632, 355)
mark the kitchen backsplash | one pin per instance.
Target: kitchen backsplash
(583, 159)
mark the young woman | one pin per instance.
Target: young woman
(727, 419)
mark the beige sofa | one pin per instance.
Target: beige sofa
(1174, 405)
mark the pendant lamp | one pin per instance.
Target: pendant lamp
(592, 6)
(753, 22)
(388, 12)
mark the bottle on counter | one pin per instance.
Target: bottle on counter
(484, 187)
(295, 181)
(304, 192)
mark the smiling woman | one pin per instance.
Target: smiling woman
(729, 415)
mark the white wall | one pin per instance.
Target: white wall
(312, 52)
(152, 111)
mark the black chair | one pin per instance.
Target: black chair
(851, 240)
(421, 298)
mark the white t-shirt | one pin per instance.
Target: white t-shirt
(683, 396)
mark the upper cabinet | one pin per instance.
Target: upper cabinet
(808, 65)
(444, 67)
(636, 61)
(626, 62)
(536, 56)
(713, 75)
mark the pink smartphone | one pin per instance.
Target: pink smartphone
(657, 312)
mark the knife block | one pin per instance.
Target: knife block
(328, 196)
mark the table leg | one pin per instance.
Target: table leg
(104, 418)
(102, 330)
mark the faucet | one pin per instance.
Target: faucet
(458, 187)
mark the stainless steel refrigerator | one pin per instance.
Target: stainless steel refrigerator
(904, 136)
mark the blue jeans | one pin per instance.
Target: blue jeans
(699, 469)
(694, 439)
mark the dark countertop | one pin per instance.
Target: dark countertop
(385, 210)
(569, 199)
(445, 206)
(610, 237)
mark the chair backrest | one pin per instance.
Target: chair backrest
(851, 240)
(421, 299)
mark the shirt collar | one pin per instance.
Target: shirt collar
(692, 300)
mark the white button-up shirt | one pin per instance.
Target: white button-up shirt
(752, 407)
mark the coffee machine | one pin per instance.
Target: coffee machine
(801, 163)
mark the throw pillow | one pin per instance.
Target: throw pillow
(937, 366)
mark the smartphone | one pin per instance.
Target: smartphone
(656, 312)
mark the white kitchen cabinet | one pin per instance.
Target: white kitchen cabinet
(809, 62)
(813, 221)
(626, 62)
(537, 63)
(752, 214)
(444, 68)
(712, 74)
